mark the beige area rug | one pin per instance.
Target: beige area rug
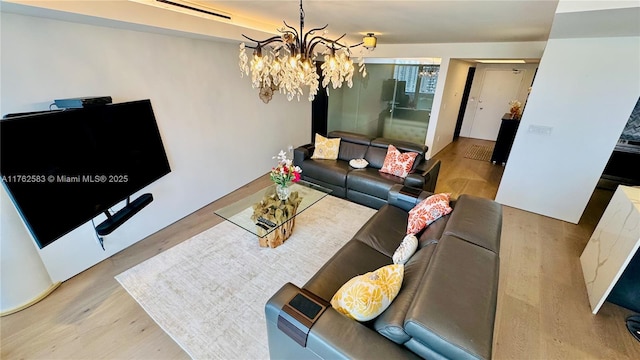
(479, 152)
(208, 293)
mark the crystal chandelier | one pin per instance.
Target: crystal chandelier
(287, 62)
(429, 71)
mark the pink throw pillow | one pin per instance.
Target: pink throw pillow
(397, 163)
(428, 211)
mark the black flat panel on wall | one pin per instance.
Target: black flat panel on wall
(63, 168)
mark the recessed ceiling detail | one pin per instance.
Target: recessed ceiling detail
(193, 7)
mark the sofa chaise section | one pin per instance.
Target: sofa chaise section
(446, 306)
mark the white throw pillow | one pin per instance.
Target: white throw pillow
(358, 163)
(406, 249)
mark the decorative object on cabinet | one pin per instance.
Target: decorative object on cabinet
(516, 109)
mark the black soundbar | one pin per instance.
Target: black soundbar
(82, 102)
(114, 221)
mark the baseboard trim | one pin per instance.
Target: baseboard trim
(32, 302)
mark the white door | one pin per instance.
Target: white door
(499, 87)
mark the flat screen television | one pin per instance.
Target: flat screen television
(63, 168)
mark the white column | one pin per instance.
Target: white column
(23, 277)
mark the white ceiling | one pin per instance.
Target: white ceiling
(406, 22)
(393, 22)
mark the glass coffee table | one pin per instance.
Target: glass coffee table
(269, 218)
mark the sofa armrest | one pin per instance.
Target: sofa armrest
(332, 336)
(427, 171)
(406, 198)
(302, 153)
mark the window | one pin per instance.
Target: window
(409, 74)
(424, 77)
(419, 83)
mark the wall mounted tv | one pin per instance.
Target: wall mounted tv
(63, 168)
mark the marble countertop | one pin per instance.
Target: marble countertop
(612, 245)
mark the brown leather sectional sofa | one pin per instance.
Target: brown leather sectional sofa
(367, 186)
(446, 306)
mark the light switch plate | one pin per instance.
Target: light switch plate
(540, 129)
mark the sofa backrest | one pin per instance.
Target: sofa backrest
(378, 151)
(452, 313)
(475, 221)
(352, 145)
(358, 146)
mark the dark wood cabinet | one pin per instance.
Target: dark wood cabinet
(506, 134)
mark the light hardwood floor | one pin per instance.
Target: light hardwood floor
(543, 311)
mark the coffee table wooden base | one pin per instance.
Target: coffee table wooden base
(278, 236)
(279, 213)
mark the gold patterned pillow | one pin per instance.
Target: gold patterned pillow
(326, 148)
(364, 297)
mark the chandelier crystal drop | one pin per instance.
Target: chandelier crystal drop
(287, 62)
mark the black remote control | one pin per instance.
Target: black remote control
(265, 227)
(266, 222)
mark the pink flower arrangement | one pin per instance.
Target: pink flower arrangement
(285, 173)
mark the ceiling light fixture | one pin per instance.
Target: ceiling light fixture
(287, 62)
(369, 41)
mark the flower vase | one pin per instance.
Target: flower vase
(283, 191)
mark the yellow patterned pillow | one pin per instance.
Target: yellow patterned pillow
(366, 296)
(326, 148)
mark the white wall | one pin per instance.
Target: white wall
(503, 50)
(440, 134)
(217, 132)
(23, 277)
(569, 6)
(584, 91)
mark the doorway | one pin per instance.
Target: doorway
(499, 87)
